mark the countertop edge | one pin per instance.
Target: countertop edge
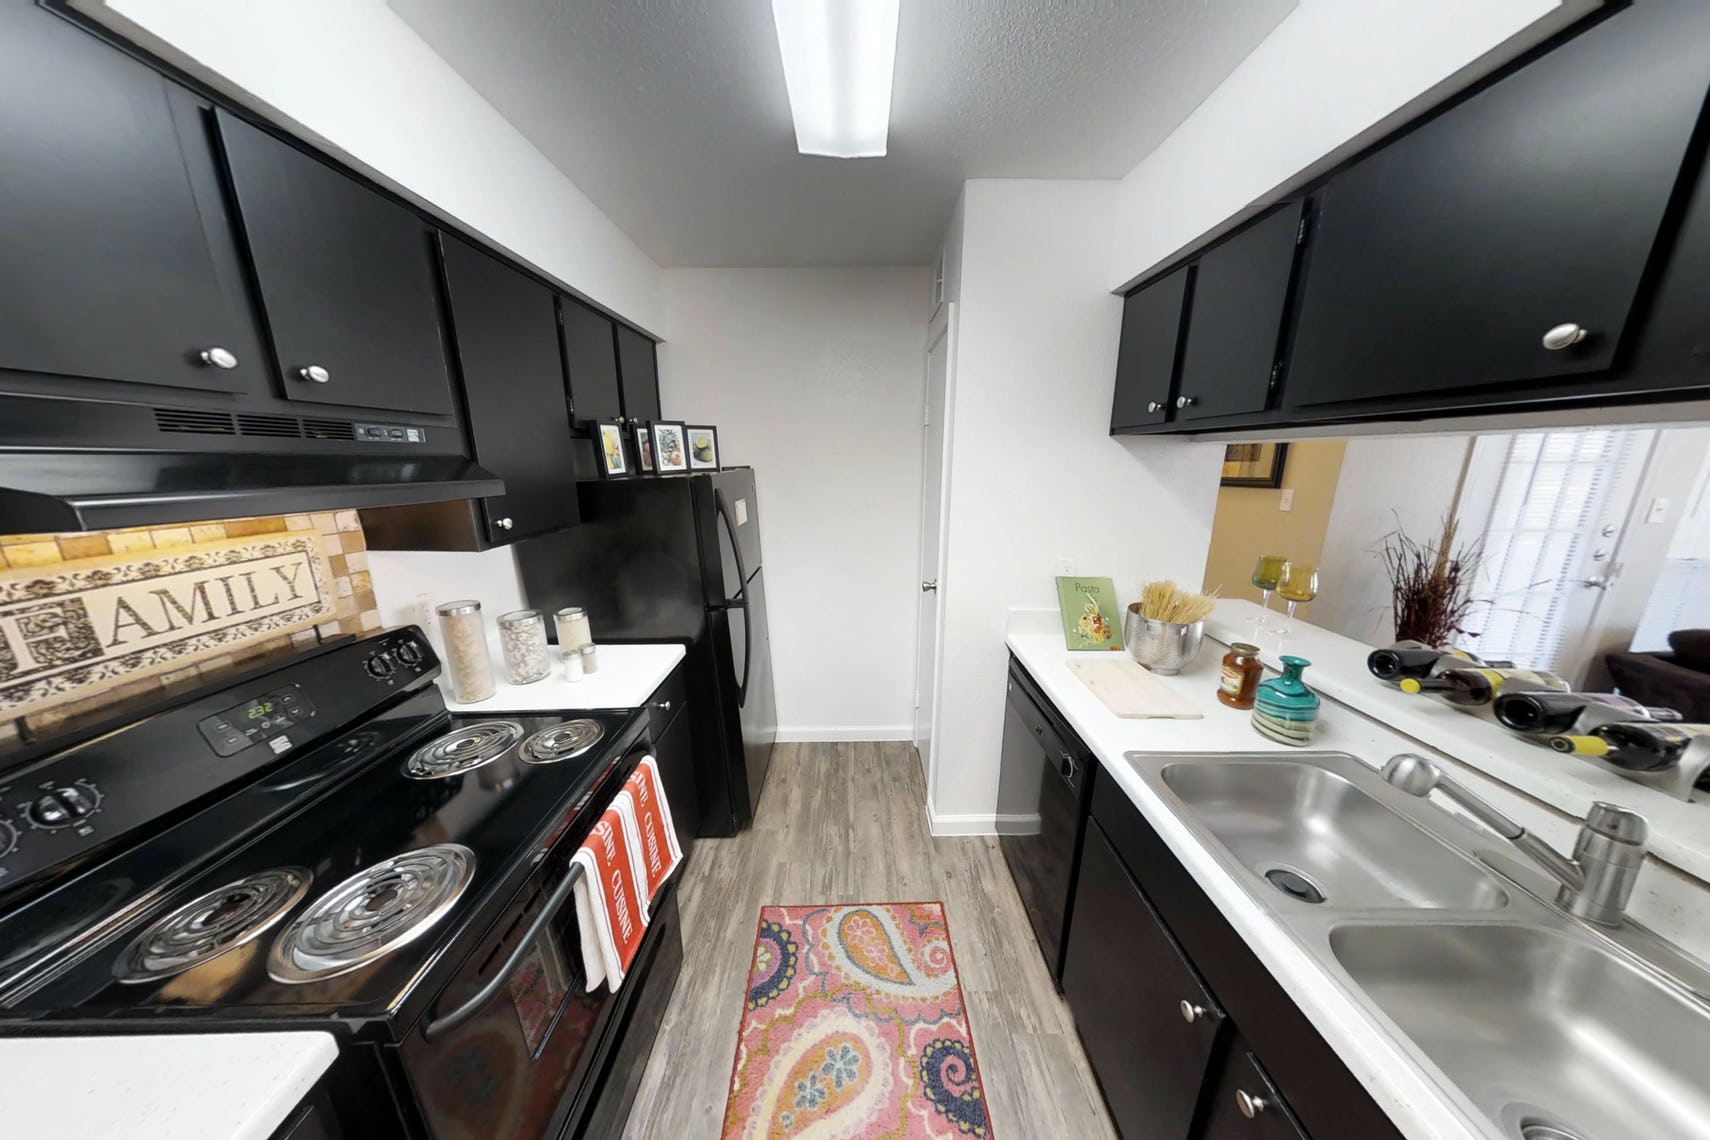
(1408, 1095)
(629, 674)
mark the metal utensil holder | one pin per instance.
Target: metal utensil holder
(1164, 647)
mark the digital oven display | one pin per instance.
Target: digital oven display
(265, 717)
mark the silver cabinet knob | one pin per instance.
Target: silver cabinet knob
(663, 706)
(1249, 1104)
(1185, 401)
(315, 374)
(504, 522)
(929, 587)
(1564, 336)
(1191, 1012)
(217, 357)
(1154, 406)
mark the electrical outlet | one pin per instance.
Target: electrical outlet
(1065, 567)
(1285, 501)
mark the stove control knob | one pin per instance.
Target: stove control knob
(8, 839)
(63, 805)
(409, 653)
(378, 667)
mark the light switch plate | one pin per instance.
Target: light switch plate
(1285, 501)
(1658, 511)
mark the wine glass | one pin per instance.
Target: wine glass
(1298, 583)
(1266, 574)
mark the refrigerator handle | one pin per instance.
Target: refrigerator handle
(736, 551)
(747, 655)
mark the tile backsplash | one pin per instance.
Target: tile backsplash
(142, 554)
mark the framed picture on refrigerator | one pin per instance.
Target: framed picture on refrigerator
(703, 447)
(644, 449)
(670, 446)
(614, 460)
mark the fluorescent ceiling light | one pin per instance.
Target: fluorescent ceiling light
(839, 57)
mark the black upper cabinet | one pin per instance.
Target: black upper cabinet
(110, 220)
(1146, 358)
(590, 362)
(506, 332)
(1235, 320)
(1439, 262)
(1149, 1026)
(639, 371)
(346, 278)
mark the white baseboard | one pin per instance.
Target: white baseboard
(980, 823)
(837, 733)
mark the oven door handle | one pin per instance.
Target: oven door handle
(440, 1026)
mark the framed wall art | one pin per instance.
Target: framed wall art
(670, 446)
(703, 447)
(1254, 464)
(613, 458)
(644, 449)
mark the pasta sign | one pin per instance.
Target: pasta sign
(88, 624)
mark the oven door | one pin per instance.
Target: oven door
(511, 1065)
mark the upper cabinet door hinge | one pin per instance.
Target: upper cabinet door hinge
(1276, 374)
(1300, 232)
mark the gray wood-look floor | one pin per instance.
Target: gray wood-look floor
(846, 823)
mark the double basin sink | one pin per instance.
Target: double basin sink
(1539, 1026)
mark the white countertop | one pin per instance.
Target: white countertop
(212, 1086)
(1680, 831)
(628, 675)
(1408, 1093)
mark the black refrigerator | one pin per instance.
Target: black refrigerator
(677, 558)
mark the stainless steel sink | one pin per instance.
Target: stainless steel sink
(1550, 1034)
(1291, 822)
(1535, 1025)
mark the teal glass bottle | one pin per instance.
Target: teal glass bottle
(1284, 709)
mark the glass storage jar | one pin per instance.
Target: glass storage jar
(468, 667)
(522, 636)
(571, 625)
(1240, 676)
(590, 663)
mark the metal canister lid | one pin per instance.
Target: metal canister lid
(458, 608)
(587, 649)
(570, 612)
(1244, 649)
(520, 617)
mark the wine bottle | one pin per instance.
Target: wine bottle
(1477, 687)
(1639, 746)
(1544, 713)
(1576, 745)
(1411, 659)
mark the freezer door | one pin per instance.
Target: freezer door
(734, 555)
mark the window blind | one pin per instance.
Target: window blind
(1545, 493)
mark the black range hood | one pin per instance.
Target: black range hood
(47, 491)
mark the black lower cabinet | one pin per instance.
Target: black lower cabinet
(672, 730)
(1150, 1027)
(1154, 939)
(1245, 1104)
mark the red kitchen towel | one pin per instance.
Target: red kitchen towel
(608, 909)
(659, 851)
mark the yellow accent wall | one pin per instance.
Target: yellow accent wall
(1248, 522)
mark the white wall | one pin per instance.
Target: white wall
(1334, 76)
(1035, 476)
(816, 378)
(1408, 483)
(354, 78)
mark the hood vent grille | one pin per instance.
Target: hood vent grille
(329, 429)
(278, 426)
(192, 422)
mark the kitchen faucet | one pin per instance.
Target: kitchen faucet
(1595, 884)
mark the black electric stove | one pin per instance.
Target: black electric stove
(325, 847)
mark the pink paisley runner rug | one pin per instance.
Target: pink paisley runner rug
(854, 1029)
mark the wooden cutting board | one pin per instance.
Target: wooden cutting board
(1130, 691)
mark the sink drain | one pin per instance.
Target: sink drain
(1297, 886)
(1543, 1130)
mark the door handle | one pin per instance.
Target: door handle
(1068, 768)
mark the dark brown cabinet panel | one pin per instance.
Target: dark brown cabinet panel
(1235, 319)
(1149, 1026)
(506, 332)
(1244, 1104)
(639, 371)
(1439, 262)
(111, 225)
(674, 749)
(591, 363)
(1146, 358)
(346, 277)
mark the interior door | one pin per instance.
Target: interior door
(347, 278)
(934, 448)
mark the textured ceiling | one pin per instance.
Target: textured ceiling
(672, 116)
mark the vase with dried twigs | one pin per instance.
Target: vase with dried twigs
(1431, 584)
